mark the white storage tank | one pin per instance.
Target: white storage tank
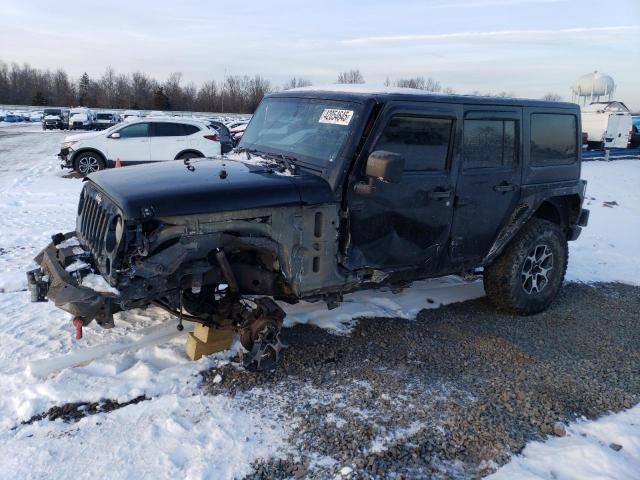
(590, 87)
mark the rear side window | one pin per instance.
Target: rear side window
(423, 141)
(134, 131)
(553, 139)
(167, 129)
(489, 143)
(189, 129)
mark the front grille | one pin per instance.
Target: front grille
(95, 213)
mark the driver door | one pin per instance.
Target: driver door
(406, 224)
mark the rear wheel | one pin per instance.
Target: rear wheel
(88, 162)
(526, 277)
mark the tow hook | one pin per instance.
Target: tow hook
(78, 323)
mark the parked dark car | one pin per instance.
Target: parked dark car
(226, 142)
(332, 192)
(55, 118)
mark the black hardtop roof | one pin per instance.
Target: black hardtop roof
(384, 94)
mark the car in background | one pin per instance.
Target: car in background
(106, 119)
(226, 142)
(36, 116)
(13, 117)
(55, 118)
(130, 115)
(607, 124)
(139, 141)
(238, 131)
(81, 118)
(635, 132)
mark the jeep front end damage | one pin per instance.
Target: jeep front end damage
(110, 264)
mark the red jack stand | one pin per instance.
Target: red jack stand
(78, 323)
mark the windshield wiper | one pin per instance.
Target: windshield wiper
(287, 161)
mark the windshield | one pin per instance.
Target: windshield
(52, 111)
(310, 130)
(105, 116)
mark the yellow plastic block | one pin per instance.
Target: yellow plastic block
(205, 341)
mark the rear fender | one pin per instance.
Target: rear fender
(563, 208)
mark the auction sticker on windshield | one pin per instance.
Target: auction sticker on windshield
(336, 116)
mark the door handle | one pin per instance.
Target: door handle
(504, 187)
(439, 194)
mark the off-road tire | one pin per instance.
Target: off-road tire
(504, 279)
(88, 162)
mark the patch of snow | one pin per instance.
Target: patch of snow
(69, 242)
(97, 283)
(585, 452)
(383, 303)
(77, 265)
(173, 436)
(607, 249)
(344, 471)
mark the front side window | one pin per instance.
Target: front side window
(489, 143)
(422, 141)
(136, 130)
(553, 139)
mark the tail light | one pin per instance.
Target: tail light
(213, 137)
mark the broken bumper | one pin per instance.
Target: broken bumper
(66, 158)
(54, 282)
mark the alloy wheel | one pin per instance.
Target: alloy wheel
(88, 164)
(536, 269)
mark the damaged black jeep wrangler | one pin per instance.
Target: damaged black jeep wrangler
(330, 192)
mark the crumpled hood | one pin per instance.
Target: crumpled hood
(171, 188)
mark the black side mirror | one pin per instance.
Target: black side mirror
(383, 166)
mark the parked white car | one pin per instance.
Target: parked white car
(81, 118)
(139, 141)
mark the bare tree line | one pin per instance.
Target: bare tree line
(25, 85)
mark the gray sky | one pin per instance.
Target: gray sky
(530, 47)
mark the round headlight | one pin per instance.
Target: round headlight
(119, 228)
(114, 234)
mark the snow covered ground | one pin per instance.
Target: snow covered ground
(180, 432)
(607, 448)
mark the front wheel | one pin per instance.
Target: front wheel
(526, 277)
(88, 162)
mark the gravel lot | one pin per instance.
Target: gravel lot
(450, 395)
